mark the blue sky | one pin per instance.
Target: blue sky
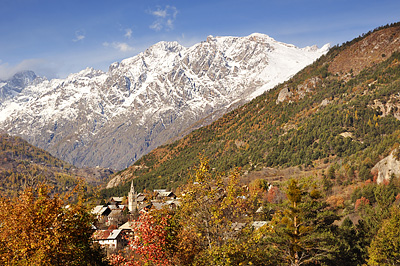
(58, 37)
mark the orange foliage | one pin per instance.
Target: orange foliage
(361, 202)
(335, 201)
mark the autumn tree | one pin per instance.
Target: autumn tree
(301, 230)
(150, 241)
(213, 211)
(40, 229)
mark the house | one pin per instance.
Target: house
(141, 199)
(100, 211)
(113, 207)
(259, 224)
(110, 239)
(115, 200)
(173, 203)
(115, 217)
(122, 207)
(238, 226)
(158, 205)
(162, 194)
(128, 228)
(159, 190)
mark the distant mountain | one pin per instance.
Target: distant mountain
(341, 112)
(111, 119)
(11, 87)
(23, 165)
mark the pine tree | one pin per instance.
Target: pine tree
(385, 247)
(302, 229)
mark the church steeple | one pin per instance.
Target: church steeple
(132, 198)
(132, 188)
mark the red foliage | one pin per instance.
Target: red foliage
(385, 182)
(398, 197)
(147, 245)
(272, 193)
(361, 202)
(117, 260)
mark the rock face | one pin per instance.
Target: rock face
(387, 167)
(288, 94)
(283, 95)
(110, 119)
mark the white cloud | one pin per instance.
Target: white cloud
(165, 18)
(160, 13)
(40, 66)
(121, 46)
(79, 36)
(128, 33)
(157, 26)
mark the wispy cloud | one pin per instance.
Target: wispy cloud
(160, 13)
(121, 46)
(38, 65)
(79, 36)
(164, 18)
(128, 33)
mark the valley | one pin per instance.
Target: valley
(234, 151)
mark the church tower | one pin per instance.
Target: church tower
(132, 199)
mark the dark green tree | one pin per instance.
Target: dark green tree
(385, 246)
(350, 247)
(302, 230)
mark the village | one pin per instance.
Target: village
(116, 219)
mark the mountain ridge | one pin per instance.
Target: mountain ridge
(112, 118)
(346, 120)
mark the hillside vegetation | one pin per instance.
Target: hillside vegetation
(23, 165)
(328, 116)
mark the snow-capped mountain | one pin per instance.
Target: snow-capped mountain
(11, 87)
(112, 118)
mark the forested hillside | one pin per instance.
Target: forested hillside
(23, 165)
(329, 116)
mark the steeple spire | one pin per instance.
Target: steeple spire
(132, 188)
(132, 198)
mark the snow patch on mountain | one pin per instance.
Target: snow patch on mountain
(112, 118)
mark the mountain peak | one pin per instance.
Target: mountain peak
(165, 46)
(147, 99)
(260, 37)
(22, 78)
(11, 87)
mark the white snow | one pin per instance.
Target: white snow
(167, 77)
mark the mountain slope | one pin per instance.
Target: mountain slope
(22, 165)
(111, 119)
(327, 114)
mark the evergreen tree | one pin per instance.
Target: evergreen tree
(385, 247)
(302, 231)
